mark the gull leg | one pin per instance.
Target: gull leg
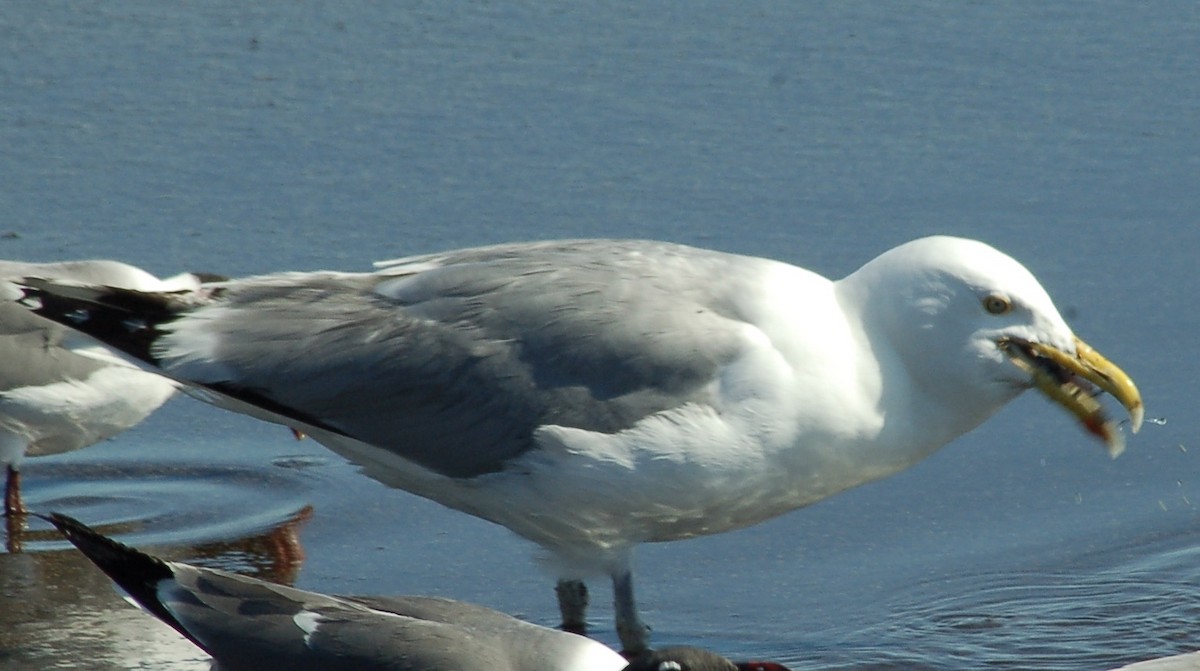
(12, 493)
(572, 603)
(14, 529)
(634, 634)
(14, 510)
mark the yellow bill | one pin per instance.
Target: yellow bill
(1075, 380)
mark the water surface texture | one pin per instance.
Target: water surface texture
(239, 139)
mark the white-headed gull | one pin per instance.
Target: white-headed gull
(591, 395)
(246, 623)
(53, 399)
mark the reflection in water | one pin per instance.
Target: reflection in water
(18, 532)
(59, 611)
(275, 556)
(150, 502)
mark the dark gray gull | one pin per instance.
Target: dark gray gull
(53, 399)
(246, 623)
(591, 395)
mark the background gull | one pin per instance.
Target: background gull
(246, 623)
(1186, 662)
(591, 395)
(53, 399)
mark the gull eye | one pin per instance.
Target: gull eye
(997, 304)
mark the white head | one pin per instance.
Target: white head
(971, 328)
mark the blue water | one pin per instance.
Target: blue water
(243, 139)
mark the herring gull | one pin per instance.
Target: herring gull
(591, 395)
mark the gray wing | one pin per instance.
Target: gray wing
(476, 637)
(454, 360)
(250, 624)
(245, 623)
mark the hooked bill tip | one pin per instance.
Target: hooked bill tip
(1136, 415)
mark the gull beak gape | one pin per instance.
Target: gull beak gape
(1074, 381)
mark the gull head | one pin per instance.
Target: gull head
(972, 328)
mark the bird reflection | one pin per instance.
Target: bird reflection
(275, 554)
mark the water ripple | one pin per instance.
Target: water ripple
(1042, 620)
(155, 504)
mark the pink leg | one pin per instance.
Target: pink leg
(12, 493)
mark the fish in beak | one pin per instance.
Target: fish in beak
(1075, 380)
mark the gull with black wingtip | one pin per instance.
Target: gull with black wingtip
(591, 395)
(246, 623)
(55, 399)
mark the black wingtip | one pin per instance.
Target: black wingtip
(132, 570)
(124, 319)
